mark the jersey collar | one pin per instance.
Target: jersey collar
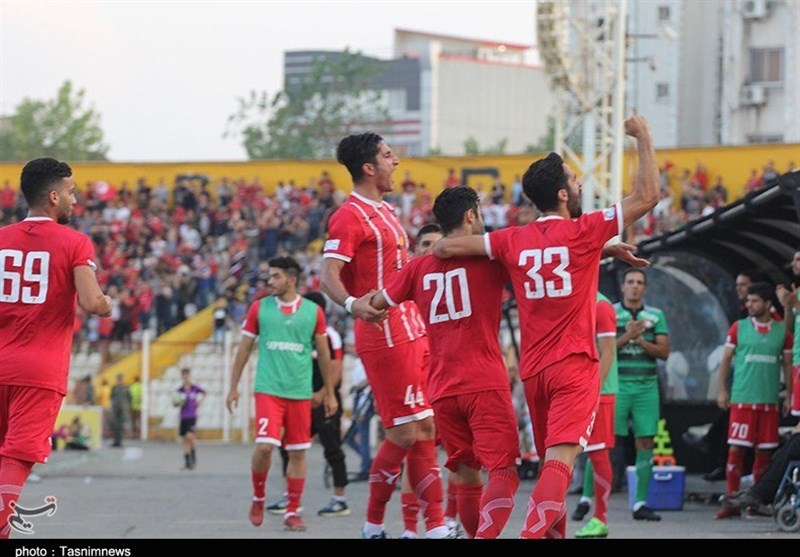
(36, 219)
(294, 304)
(376, 204)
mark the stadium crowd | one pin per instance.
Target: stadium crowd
(165, 253)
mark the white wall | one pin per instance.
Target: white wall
(490, 102)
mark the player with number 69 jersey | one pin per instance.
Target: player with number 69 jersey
(44, 268)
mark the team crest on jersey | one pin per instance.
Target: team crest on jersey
(331, 245)
(92, 265)
(609, 213)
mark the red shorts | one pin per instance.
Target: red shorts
(395, 375)
(478, 430)
(27, 418)
(563, 399)
(796, 390)
(274, 413)
(603, 432)
(754, 425)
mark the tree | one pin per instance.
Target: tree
(336, 97)
(63, 128)
(472, 148)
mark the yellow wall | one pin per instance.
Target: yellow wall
(732, 163)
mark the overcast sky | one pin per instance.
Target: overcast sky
(165, 75)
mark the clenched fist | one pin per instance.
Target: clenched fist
(637, 126)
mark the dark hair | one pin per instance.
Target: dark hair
(40, 176)
(763, 290)
(543, 180)
(452, 204)
(752, 274)
(430, 228)
(318, 298)
(185, 370)
(354, 151)
(630, 270)
(288, 264)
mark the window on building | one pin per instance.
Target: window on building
(765, 138)
(766, 65)
(663, 13)
(662, 91)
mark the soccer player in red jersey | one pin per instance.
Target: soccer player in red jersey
(43, 267)
(460, 300)
(554, 264)
(366, 247)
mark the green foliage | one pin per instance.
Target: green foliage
(62, 128)
(472, 148)
(334, 100)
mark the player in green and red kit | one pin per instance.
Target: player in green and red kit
(44, 267)
(759, 347)
(285, 325)
(598, 476)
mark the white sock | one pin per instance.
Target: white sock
(372, 529)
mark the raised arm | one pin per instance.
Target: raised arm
(90, 296)
(460, 246)
(645, 190)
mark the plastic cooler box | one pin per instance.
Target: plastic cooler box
(666, 488)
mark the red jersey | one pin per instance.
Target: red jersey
(371, 241)
(554, 266)
(460, 301)
(37, 301)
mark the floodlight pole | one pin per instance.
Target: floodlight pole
(582, 44)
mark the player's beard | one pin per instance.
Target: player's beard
(63, 219)
(574, 204)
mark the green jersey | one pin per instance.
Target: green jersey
(758, 360)
(632, 360)
(284, 349)
(605, 324)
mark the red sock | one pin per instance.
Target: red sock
(294, 492)
(760, 464)
(13, 474)
(733, 471)
(497, 502)
(410, 510)
(383, 475)
(426, 479)
(546, 505)
(601, 464)
(558, 531)
(259, 484)
(451, 511)
(469, 506)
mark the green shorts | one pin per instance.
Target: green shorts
(637, 398)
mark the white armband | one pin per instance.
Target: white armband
(348, 304)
